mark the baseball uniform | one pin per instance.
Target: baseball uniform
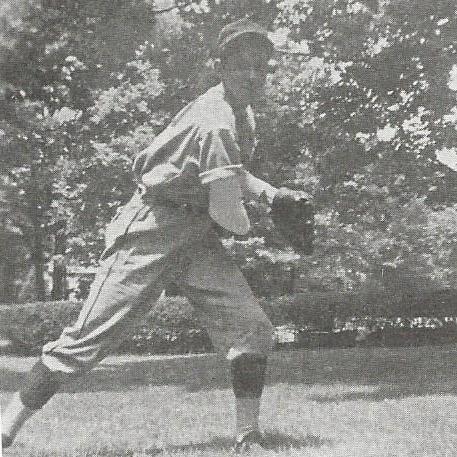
(165, 234)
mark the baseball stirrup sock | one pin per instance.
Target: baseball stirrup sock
(248, 378)
(40, 385)
(13, 418)
(247, 415)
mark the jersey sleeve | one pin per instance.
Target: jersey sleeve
(226, 205)
(219, 156)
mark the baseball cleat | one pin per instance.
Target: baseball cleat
(245, 441)
(6, 441)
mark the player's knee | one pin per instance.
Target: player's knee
(248, 375)
(265, 333)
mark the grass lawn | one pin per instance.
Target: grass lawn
(342, 402)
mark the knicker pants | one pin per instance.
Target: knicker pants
(131, 278)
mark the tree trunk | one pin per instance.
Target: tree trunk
(37, 238)
(7, 267)
(38, 267)
(292, 279)
(8, 277)
(59, 279)
(59, 272)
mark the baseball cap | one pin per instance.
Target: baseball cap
(241, 27)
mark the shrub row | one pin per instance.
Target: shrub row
(29, 326)
(389, 337)
(171, 326)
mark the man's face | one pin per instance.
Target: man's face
(244, 72)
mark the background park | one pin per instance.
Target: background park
(361, 112)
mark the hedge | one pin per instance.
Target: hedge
(29, 326)
(319, 309)
(170, 327)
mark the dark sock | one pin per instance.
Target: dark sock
(248, 375)
(40, 385)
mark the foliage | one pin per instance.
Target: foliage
(319, 309)
(366, 99)
(361, 107)
(151, 339)
(29, 326)
(170, 327)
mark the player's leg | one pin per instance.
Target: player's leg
(248, 379)
(126, 284)
(236, 324)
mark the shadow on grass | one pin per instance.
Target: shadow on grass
(387, 392)
(195, 374)
(274, 441)
(392, 373)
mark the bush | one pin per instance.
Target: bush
(158, 340)
(170, 327)
(309, 309)
(319, 309)
(29, 326)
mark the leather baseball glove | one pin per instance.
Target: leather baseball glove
(292, 212)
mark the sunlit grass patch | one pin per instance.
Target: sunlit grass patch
(351, 403)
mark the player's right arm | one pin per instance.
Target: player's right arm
(226, 206)
(220, 170)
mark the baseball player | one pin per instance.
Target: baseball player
(191, 178)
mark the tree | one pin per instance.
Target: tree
(358, 108)
(368, 88)
(45, 89)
